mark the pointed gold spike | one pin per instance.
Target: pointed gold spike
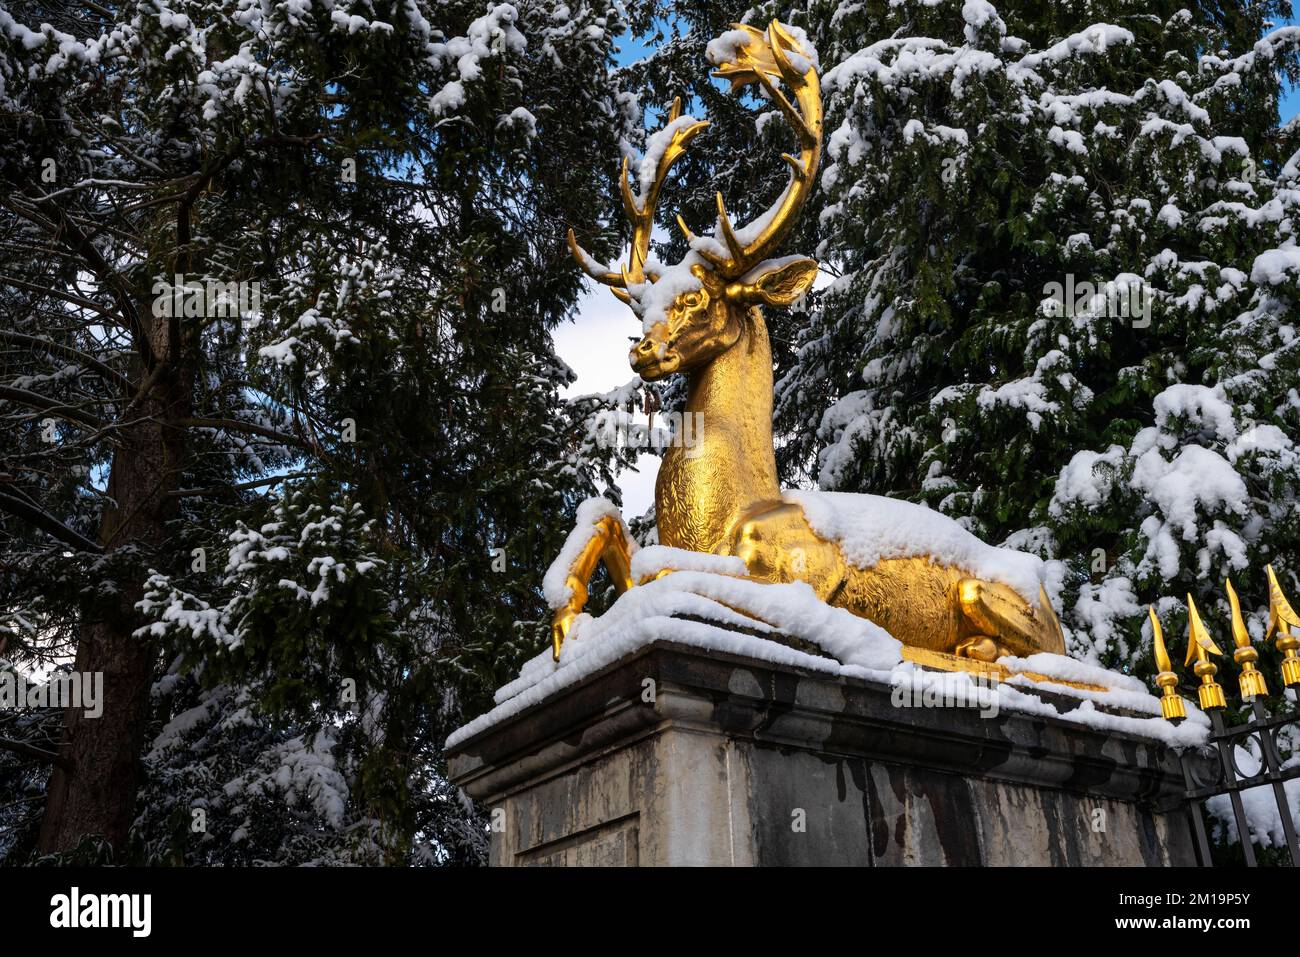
(1158, 636)
(1240, 636)
(1199, 642)
(1199, 647)
(1281, 619)
(1171, 703)
(1250, 681)
(1281, 616)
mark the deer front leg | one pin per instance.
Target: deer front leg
(608, 544)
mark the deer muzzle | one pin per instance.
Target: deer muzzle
(652, 358)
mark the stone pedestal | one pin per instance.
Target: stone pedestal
(678, 756)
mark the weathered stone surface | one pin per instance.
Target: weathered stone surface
(734, 761)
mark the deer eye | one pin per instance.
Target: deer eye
(692, 299)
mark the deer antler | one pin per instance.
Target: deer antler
(662, 150)
(759, 57)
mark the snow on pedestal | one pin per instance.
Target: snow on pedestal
(678, 729)
(696, 605)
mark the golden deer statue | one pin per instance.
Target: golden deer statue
(701, 318)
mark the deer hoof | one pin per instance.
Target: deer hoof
(560, 626)
(980, 647)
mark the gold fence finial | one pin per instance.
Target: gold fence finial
(1251, 681)
(1199, 648)
(1281, 619)
(1171, 703)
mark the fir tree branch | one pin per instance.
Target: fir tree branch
(234, 425)
(238, 487)
(27, 750)
(59, 294)
(34, 400)
(36, 516)
(89, 361)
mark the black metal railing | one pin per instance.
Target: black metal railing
(1262, 726)
(1231, 780)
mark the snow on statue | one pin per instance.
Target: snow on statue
(854, 585)
(917, 574)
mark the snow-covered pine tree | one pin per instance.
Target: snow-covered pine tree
(1066, 309)
(374, 168)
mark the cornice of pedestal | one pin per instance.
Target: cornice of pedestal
(705, 692)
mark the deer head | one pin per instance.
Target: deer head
(695, 310)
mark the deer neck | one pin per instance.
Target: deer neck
(725, 465)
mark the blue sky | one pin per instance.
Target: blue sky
(1290, 105)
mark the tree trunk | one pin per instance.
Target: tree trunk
(95, 792)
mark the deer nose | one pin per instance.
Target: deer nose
(644, 350)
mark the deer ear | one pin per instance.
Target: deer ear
(777, 282)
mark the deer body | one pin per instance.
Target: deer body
(722, 495)
(701, 493)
